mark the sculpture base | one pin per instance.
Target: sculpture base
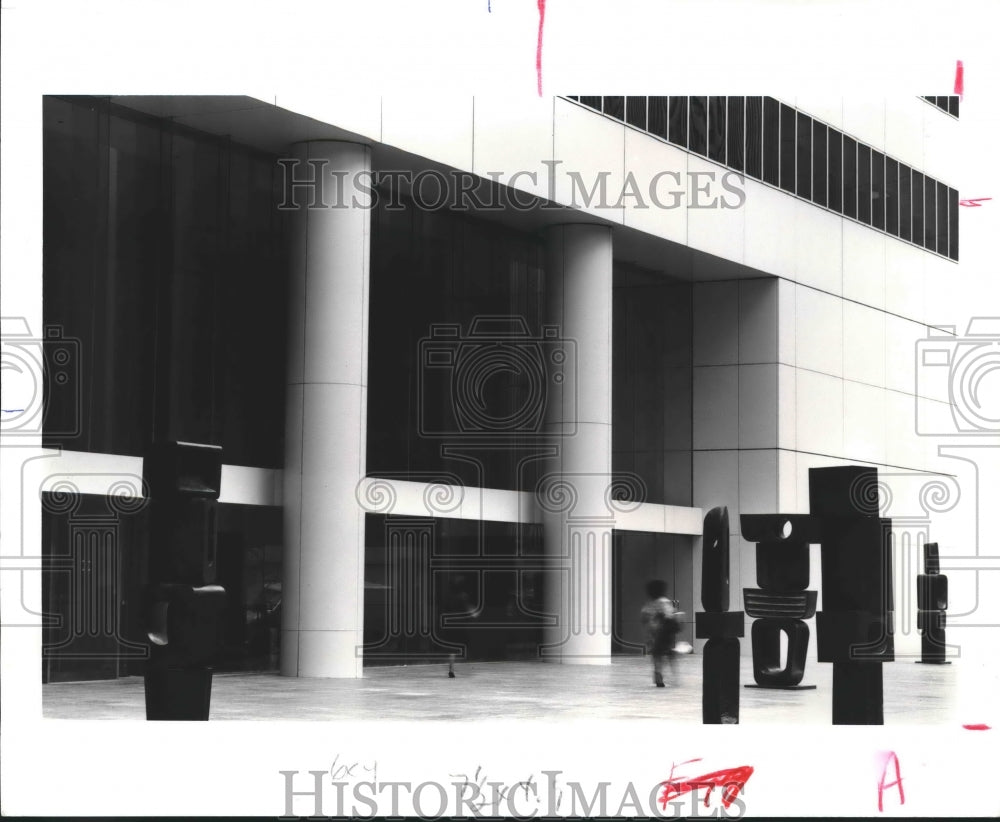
(782, 687)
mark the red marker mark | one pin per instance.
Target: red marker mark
(890, 756)
(974, 203)
(979, 727)
(959, 79)
(538, 50)
(731, 780)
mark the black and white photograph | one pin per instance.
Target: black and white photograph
(516, 408)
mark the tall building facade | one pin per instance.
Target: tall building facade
(479, 371)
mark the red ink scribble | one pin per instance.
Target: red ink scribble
(890, 756)
(538, 50)
(978, 727)
(731, 780)
(959, 79)
(974, 203)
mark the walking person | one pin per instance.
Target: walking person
(661, 619)
(458, 603)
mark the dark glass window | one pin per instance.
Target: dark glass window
(772, 140)
(734, 132)
(953, 210)
(789, 149)
(787, 177)
(615, 107)
(425, 572)
(942, 218)
(803, 162)
(917, 188)
(930, 217)
(635, 112)
(864, 184)
(679, 121)
(905, 203)
(652, 389)
(592, 102)
(878, 190)
(698, 126)
(892, 196)
(850, 166)
(435, 270)
(835, 189)
(129, 204)
(948, 104)
(659, 116)
(819, 164)
(753, 137)
(717, 129)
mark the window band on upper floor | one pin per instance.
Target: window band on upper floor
(773, 142)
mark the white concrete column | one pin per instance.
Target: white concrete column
(326, 415)
(575, 504)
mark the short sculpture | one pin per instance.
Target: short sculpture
(182, 606)
(782, 601)
(932, 602)
(720, 690)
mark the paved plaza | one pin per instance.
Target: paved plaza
(914, 694)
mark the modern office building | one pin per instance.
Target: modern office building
(478, 371)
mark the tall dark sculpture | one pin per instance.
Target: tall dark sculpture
(720, 690)
(932, 602)
(182, 606)
(782, 601)
(854, 629)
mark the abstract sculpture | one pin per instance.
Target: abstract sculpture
(932, 602)
(720, 694)
(854, 629)
(183, 608)
(781, 602)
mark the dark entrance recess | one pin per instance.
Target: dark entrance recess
(637, 558)
(96, 566)
(94, 561)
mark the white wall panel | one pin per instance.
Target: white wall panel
(819, 413)
(513, 137)
(817, 243)
(864, 344)
(716, 398)
(593, 149)
(864, 264)
(435, 126)
(819, 331)
(758, 313)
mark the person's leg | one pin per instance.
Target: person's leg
(672, 662)
(658, 670)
